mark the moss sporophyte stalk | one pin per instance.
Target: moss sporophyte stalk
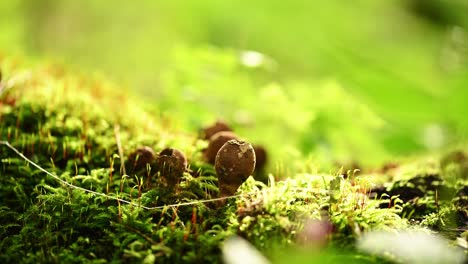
(76, 189)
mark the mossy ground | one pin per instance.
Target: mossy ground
(83, 128)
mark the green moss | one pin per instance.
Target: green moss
(432, 194)
(67, 124)
(81, 130)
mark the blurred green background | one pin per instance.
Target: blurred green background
(328, 81)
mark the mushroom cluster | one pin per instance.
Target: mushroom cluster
(170, 164)
(234, 159)
(218, 134)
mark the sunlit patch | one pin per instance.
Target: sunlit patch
(236, 250)
(410, 247)
(243, 117)
(455, 49)
(252, 59)
(433, 136)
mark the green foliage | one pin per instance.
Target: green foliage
(214, 83)
(72, 135)
(435, 196)
(273, 215)
(305, 45)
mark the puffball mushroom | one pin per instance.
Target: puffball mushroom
(171, 164)
(216, 142)
(219, 126)
(261, 158)
(140, 157)
(235, 162)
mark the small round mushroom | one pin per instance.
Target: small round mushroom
(261, 157)
(171, 164)
(140, 157)
(457, 157)
(216, 142)
(235, 162)
(219, 126)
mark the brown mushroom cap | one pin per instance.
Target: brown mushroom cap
(458, 157)
(171, 164)
(219, 126)
(261, 157)
(235, 162)
(175, 153)
(140, 157)
(216, 142)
